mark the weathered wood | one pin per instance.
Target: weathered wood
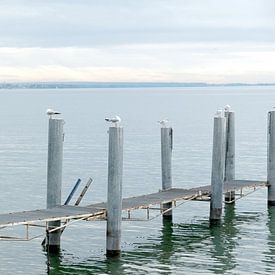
(54, 177)
(217, 175)
(271, 158)
(176, 194)
(166, 166)
(99, 209)
(229, 169)
(114, 200)
(46, 215)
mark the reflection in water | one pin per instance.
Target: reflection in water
(114, 266)
(54, 263)
(223, 238)
(270, 255)
(55, 266)
(178, 248)
(166, 241)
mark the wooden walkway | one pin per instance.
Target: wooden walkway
(99, 209)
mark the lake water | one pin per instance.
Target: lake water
(243, 244)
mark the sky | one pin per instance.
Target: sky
(213, 41)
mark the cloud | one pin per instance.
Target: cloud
(156, 40)
(183, 62)
(103, 22)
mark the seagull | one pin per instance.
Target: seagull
(218, 113)
(227, 108)
(51, 112)
(163, 123)
(114, 120)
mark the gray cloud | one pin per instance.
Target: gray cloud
(108, 22)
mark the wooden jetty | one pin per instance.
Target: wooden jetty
(223, 186)
(98, 210)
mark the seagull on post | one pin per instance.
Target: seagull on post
(227, 108)
(116, 120)
(219, 113)
(51, 112)
(163, 123)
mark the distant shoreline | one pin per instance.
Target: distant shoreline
(67, 85)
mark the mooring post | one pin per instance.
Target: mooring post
(166, 166)
(229, 170)
(271, 158)
(114, 200)
(218, 163)
(54, 178)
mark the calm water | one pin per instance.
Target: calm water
(245, 242)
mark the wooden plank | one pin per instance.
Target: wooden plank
(239, 184)
(73, 212)
(175, 194)
(51, 214)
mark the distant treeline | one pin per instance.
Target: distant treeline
(71, 85)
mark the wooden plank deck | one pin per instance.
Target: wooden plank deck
(176, 194)
(98, 209)
(52, 214)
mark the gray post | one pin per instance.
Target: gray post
(166, 166)
(229, 173)
(114, 200)
(54, 177)
(271, 158)
(218, 161)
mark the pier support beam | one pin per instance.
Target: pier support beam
(54, 178)
(114, 200)
(271, 158)
(218, 161)
(166, 166)
(229, 173)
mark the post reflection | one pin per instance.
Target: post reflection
(269, 259)
(223, 240)
(166, 243)
(114, 266)
(175, 243)
(53, 262)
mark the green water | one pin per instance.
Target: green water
(243, 244)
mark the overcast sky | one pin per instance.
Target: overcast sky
(211, 41)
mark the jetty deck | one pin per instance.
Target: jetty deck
(98, 210)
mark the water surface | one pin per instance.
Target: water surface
(244, 243)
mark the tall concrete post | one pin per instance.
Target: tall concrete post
(229, 173)
(166, 166)
(54, 178)
(114, 200)
(271, 158)
(218, 162)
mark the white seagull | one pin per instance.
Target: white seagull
(163, 122)
(114, 120)
(219, 113)
(51, 112)
(227, 108)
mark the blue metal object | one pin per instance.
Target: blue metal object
(72, 192)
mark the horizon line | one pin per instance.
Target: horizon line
(117, 84)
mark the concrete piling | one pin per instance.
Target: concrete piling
(229, 173)
(271, 158)
(114, 200)
(166, 166)
(218, 163)
(54, 178)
